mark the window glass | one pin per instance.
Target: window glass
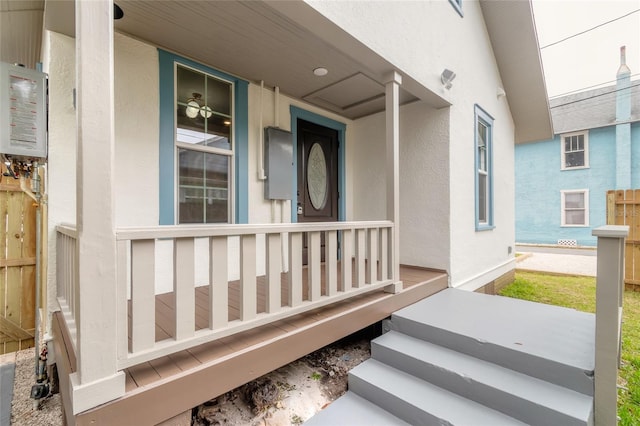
(483, 161)
(204, 183)
(574, 151)
(575, 208)
(204, 144)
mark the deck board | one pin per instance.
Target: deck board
(198, 374)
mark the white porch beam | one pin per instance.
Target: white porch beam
(392, 109)
(97, 379)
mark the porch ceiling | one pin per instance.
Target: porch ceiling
(21, 31)
(257, 41)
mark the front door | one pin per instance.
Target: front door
(317, 175)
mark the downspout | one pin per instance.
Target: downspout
(623, 128)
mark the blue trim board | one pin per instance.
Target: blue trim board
(481, 115)
(167, 129)
(299, 113)
(167, 150)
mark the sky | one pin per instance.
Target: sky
(592, 58)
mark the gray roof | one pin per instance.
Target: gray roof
(591, 109)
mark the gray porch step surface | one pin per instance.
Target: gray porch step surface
(523, 397)
(352, 410)
(551, 343)
(418, 402)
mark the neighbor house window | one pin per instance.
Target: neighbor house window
(575, 150)
(204, 144)
(575, 207)
(484, 167)
(457, 5)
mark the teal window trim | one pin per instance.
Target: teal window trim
(457, 5)
(167, 149)
(299, 113)
(483, 117)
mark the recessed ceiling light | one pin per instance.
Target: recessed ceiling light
(321, 71)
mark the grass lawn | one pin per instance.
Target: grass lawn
(580, 293)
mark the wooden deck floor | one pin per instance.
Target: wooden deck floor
(188, 378)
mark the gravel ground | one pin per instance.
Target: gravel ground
(302, 388)
(22, 411)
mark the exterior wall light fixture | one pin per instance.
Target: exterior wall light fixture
(447, 78)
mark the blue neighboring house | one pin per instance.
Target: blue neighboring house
(561, 183)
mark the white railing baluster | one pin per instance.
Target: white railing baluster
(372, 255)
(143, 298)
(331, 262)
(313, 265)
(273, 272)
(218, 283)
(360, 258)
(183, 287)
(248, 294)
(295, 269)
(383, 270)
(122, 313)
(346, 263)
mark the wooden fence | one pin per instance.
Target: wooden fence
(17, 267)
(623, 208)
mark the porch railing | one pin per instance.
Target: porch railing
(609, 298)
(67, 278)
(361, 263)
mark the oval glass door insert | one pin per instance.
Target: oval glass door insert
(317, 183)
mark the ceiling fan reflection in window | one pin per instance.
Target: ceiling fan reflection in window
(194, 108)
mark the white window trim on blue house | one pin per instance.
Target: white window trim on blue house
(563, 163)
(167, 150)
(563, 208)
(457, 5)
(481, 117)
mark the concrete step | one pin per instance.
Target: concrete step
(350, 409)
(525, 398)
(418, 402)
(547, 342)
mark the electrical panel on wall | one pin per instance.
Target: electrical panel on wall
(278, 164)
(23, 112)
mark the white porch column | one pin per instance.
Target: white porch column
(392, 109)
(97, 379)
(609, 294)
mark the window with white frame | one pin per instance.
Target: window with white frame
(204, 146)
(575, 207)
(484, 166)
(575, 150)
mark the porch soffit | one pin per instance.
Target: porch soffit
(256, 41)
(21, 31)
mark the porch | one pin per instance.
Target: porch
(290, 317)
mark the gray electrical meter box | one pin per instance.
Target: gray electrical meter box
(23, 112)
(278, 164)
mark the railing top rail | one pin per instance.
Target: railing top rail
(68, 230)
(189, 231)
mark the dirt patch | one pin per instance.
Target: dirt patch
(291, 394)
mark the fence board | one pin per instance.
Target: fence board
(623, 208)
(17, 267)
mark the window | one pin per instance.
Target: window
(204, 146)
(457, 5)
(575, 207)
(575, 150)
(483, 166)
